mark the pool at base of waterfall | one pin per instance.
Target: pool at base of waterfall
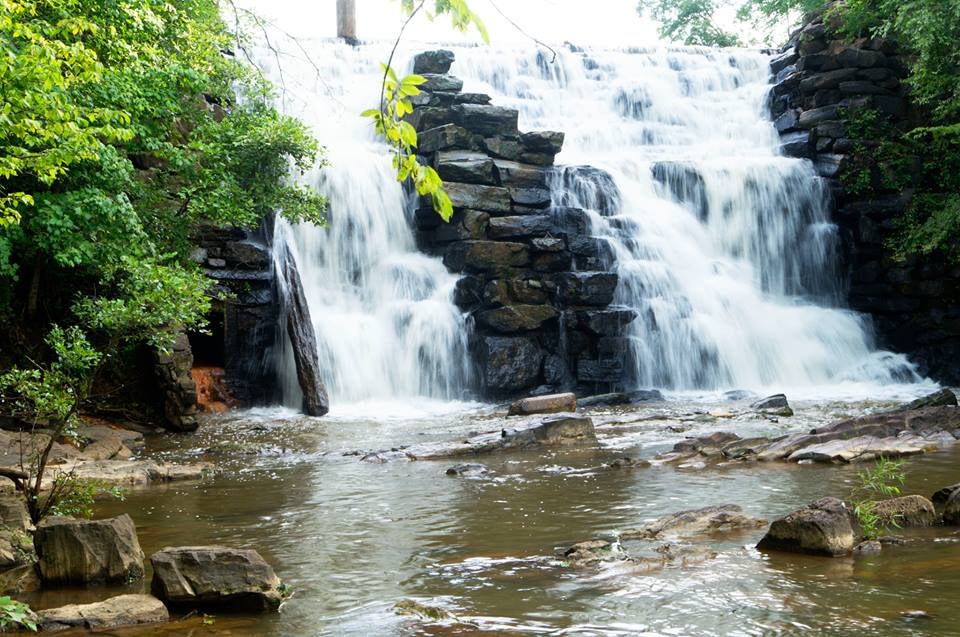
(482, 551)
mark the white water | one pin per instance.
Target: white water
(386, 327)
(731, 268)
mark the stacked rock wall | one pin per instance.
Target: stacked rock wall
(819, 79)
(246, 308)
(533, 279)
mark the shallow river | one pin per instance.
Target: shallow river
(353, 538)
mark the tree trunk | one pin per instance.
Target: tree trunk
(347, 20)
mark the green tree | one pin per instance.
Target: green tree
(690, 22)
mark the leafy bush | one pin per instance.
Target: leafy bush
(880, 482)
(15, 615)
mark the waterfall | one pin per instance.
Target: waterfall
(724, 248)
(385, 323)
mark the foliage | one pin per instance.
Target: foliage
(75, 497)
(691, 22)
(14, 614)
(153, 301)
(395, 105)
(124, 125)
(880, 482)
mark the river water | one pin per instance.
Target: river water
(354, 538)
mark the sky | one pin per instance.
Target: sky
(590, 23)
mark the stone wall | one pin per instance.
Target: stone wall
(246, 312)
(533, 280)
(915, 305)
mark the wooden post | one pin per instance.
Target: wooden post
(347, 20)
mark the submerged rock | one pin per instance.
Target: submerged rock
(943, 495)
(739, 394)
(951, 509)
(123, 610)
(557, 430)
(907, 511)
(824, 527)
(423, 611)
(622, 398)
(200, 576)
(710, 520)
(75, 551)
(548, 404)
(871, 547)
(468, 470)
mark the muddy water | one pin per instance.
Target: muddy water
(354, 538)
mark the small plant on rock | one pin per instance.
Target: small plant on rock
(16, 615)
(880, 482)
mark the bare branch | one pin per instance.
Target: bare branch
(553, 51)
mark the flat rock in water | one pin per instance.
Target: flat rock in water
(863, 448)
(739, 394)
(942, 398)
(562, 429)
(123, 610)
(549, 404)
(200, 576)
(824, 527)
(868, 548)
(712, 520)
(135, 472)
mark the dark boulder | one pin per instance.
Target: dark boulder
(214, 576)
(824, 527)
(776, 404)
(468, 470)
(438, 61)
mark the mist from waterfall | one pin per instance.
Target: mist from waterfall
(724, 248)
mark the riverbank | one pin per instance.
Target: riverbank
(485, 548)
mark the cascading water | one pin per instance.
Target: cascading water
(724, 248)
(383, 315)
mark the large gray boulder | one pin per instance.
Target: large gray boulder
(123, 610)
(73, 551)
(824, 527)
(776, 405)
(201, 576)
(438, 61)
